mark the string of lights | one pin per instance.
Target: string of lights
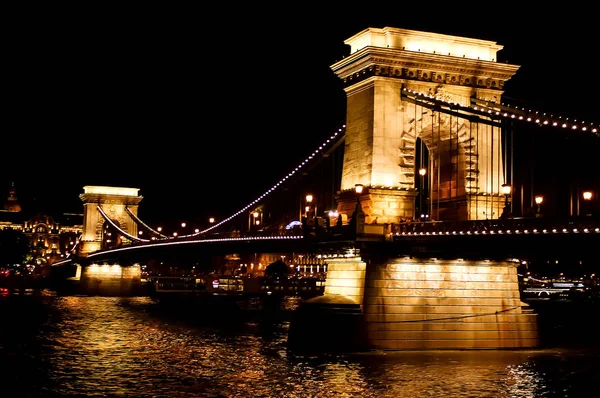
(500, 232)
(544, 120)
(327, 143)
(490, 109)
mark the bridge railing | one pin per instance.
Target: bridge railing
(511, 225)
(241, 235)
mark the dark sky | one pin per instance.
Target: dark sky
(206, 108)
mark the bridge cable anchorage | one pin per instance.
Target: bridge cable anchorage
(143, 224)
(492, 109)
(115, 226)
(329, 143)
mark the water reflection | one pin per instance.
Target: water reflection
(138, 347)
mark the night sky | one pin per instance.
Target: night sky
(204, 111)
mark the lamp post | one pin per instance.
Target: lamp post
(253, 220)
(257, 220)
(422, 172)
(358, 188)
(538, 201)
(358, 217)
(309, 209)
(506, 189)
(309, 199)
(587, 196)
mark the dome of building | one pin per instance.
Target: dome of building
(11, 203)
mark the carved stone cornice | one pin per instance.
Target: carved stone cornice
(112, 199)
(417, 66)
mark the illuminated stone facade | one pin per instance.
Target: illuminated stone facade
(50, 238)
(437, 304)
(466, 168)
(114, 202)
(110, 279)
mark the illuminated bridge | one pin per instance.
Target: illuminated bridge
(422, 204)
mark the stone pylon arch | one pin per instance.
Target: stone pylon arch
(113, 201)
(466, 160)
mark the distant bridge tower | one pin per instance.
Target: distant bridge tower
(113, 201)
(464, 152)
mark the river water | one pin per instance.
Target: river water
(79, 346)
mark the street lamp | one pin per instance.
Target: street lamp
(422, 172)
(309, 199)
(358, 218)
(253, 219)
(587, 196)
(506, 189)
(256, 215)
(358, 188)
(538, 201)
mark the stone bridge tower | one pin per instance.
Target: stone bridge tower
(113, 201)
(465, 159)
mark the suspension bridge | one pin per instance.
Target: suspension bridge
(422, 204)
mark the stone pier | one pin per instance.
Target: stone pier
(110, 280)
(411, 303)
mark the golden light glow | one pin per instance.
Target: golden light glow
(358, 188)
(506, 189)
(539, 199)
(422, 171)
(211, 220)
(309, 198)
(427, 42)
(587, 195)
(110, 190)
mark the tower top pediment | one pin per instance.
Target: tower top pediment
(425, 42)
(102, 190)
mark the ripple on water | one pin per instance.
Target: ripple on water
(134, 347)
